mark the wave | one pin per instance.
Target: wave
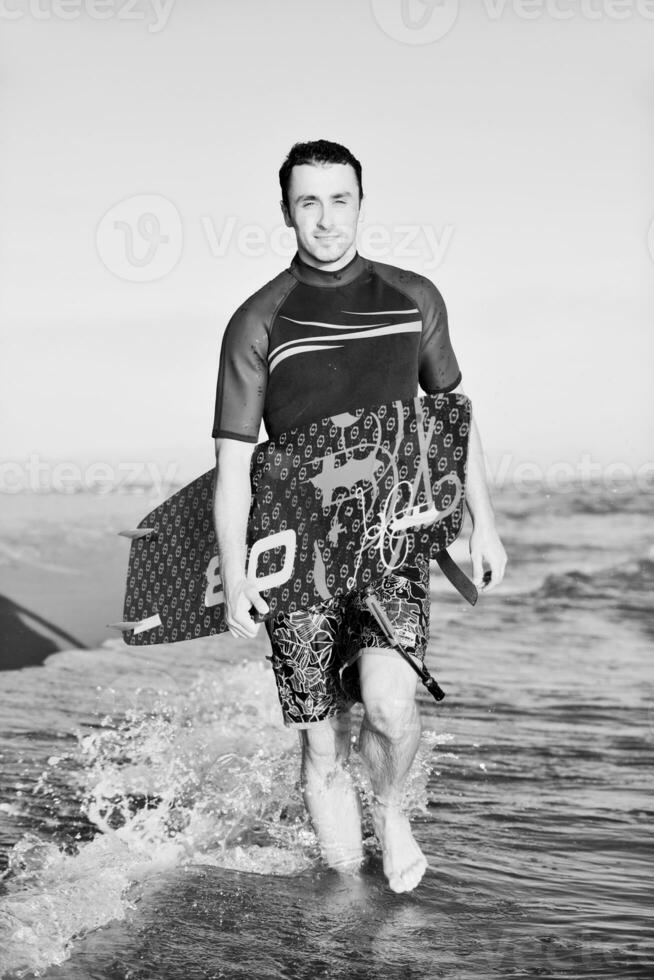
(624, 589)
(633, 576)
(608, 502)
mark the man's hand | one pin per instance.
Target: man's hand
(486, 548)
(239, 600)
(231, 505)
(485, 545)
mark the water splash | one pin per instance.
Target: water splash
(204, 775)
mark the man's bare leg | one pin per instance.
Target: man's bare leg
(329, 793)
(388, 742)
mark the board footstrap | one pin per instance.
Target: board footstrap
(457, 577)
(135, 533)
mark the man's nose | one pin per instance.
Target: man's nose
(326, 216)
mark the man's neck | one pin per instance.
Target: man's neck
(344, 260)
(323, 275)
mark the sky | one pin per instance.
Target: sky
(507, 154)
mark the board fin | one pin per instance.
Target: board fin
(137, 532)
(149, 623)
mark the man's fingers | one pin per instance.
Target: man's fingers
(477, 570)
(237, 629)
(486, 549)
(251, 593)
(258, 602)
(241, 621)
(234, 627)
(241, 597)
(496, 576)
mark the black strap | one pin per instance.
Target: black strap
(388, 629)
(459, 579)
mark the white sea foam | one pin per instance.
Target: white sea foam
(203, 775)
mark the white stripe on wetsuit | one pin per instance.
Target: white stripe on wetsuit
(309, 343)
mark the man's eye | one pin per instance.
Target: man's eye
(308, 204)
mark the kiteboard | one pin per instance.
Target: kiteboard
(336, 505)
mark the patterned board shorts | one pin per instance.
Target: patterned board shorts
(314, 651)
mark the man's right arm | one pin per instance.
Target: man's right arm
(231, 507)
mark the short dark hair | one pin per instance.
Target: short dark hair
(318, 151)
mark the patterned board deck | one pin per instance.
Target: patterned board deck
(336, 504)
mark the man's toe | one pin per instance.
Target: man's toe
(409, 878)
(413, 874)
(397, 883)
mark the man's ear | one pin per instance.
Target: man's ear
(287, 217)
(361, 220)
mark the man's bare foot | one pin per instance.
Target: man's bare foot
(404, 862)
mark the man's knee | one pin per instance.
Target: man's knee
(388, 690)
(392, 716)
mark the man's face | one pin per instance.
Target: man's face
(324, 210)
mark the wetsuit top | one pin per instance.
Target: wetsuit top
(311, 344)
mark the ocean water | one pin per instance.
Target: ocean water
(151, 824)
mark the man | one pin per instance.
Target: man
(333, 333)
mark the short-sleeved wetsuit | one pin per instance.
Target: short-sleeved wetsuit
(311, 344)
(308, 345)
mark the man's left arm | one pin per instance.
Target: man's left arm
(439, 372)
(485, 545)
